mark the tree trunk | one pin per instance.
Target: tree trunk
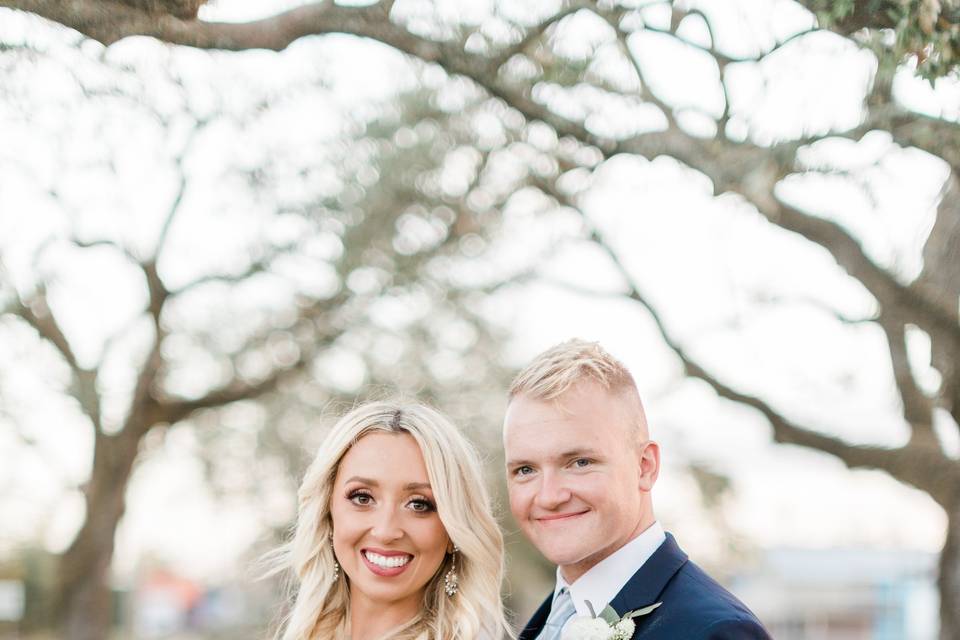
(85, 600)
(949, 578)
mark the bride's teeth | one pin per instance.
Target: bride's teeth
(391, 562)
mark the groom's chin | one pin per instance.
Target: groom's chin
(562, 549)
(564, 556)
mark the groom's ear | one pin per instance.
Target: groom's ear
(648, 457)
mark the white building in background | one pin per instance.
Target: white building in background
(851, 594)
(12, 600)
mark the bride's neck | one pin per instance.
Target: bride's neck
(369, 620)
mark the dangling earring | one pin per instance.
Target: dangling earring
(450, 581)
(336, 565)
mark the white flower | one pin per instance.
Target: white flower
(624, 629)
(609, 625)
(588, 629)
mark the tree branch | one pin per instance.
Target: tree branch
(817, 304)
(175, 411)
(863, 14)
(927, 312)
(924, 467)
(936, 136)
(257, 266)
(108, 21)
(37, 313)
(902, 463)
(917, 407)
(172, 211)
(141, 415)
(742, 168)
(536, 32)
(174, 208)
(143, 405)
(83, 244)
(645, 91)
(722, 59)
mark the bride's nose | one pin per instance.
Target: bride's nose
(386, 526)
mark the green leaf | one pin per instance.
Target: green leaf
(642, 612)
(610, 615)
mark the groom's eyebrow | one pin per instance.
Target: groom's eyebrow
(577, 453)
(565, 455)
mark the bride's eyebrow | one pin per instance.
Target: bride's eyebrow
(410, 486)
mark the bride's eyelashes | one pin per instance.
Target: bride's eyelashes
(418, 504)
(422, 505)
(360, 497)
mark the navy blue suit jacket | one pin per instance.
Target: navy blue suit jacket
(695, 607)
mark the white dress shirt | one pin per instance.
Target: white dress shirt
(604, 580)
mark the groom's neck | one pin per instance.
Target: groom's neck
(572, 572)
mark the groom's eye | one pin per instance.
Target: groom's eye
(523, 470)
(580, 463)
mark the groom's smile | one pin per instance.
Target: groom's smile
(561, 517)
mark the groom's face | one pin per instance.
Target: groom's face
(579, 472)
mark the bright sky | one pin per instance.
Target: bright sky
(707, 262)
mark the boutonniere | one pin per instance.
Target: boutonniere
(609, 625)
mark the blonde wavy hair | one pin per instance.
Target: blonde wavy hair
(321, 606)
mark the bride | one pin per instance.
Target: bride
(395, 538)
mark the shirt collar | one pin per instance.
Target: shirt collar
(604, 580)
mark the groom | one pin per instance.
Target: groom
(580, 472)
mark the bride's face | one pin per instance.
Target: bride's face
(387, 535)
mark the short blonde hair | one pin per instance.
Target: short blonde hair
(321, 607)
(562, 366)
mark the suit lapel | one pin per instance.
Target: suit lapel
(648, 582)
(643, 588)
(535, 625)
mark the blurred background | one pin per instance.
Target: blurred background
(216, 234)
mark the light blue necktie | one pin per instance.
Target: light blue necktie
(561, 611)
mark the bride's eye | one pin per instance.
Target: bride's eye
(360, 498)
(421, 505)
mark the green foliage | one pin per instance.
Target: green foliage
(930, 31)
(925, 30)
(830, 12)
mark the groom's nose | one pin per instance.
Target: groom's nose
(552, 492)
